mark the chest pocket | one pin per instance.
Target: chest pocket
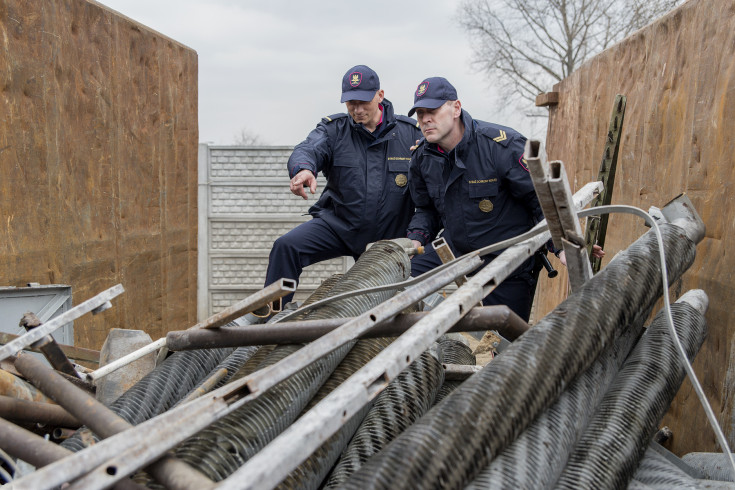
(483, 190)
(398, 176)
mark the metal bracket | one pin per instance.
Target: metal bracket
(441, 247)
(597, 225)
(555, 196)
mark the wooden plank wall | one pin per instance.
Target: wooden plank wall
(98, 156)
(679, 76)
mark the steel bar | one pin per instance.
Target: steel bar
(36, 412)
(578, 263)
(539, 169)
(597, 225)
(104, 422)
(48, 347)
(264, 297)
(148, 441)
(268, 468)
(15, 346)
(459, 372)
(499, 317)
(207, 386)
(441, 247)
(77, 353)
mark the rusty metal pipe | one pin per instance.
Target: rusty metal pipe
(37, 413)
(500, 318)
(34, 449)
(31, 448)
(104, 422)
(15, 387)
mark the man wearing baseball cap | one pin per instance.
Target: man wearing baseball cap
(364, 155)
(469, 178)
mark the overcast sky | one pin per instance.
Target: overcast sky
(274, 67)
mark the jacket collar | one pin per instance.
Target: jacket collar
(389, 119)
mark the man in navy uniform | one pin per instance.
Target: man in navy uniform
(364, 156)
(469, 177)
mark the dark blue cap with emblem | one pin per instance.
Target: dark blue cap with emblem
(431, 93)
(360, 83)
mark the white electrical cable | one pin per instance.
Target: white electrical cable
(670, 321)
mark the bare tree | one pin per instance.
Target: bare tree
(528, 45)
(246, 137)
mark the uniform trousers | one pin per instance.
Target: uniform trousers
(310, 242)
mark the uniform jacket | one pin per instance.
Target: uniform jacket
(480, 192)
(366, 197)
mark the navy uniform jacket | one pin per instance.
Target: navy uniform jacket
(366, 197)
(481, 192)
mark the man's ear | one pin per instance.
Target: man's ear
(457, 108)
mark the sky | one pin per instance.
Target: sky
(274, 67)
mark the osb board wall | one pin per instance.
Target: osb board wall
(98, 155)
(679, 78)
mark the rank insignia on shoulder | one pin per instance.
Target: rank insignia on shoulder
(486, 205)
(501, 137)
(328, 119)
(401, 180)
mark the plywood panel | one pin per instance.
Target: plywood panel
(679, 76)
(98, 158)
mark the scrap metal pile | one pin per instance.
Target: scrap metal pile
(374, 395)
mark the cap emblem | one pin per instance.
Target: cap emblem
(423, 87)
(355, 78)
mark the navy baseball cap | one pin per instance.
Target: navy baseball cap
(431, 93)
(360, 83)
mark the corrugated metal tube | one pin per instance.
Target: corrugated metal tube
(624, 423)
(450, 445)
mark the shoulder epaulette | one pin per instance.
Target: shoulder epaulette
(328, 119)
(421, 143)
(496, 133)
(408, 120)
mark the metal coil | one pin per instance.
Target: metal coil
(224, 446)
(453, 352)
(608, 453)
(450, 445)
(403, 401)
(546, 444)
(715, 466)
(657, 472)
(231, 363)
